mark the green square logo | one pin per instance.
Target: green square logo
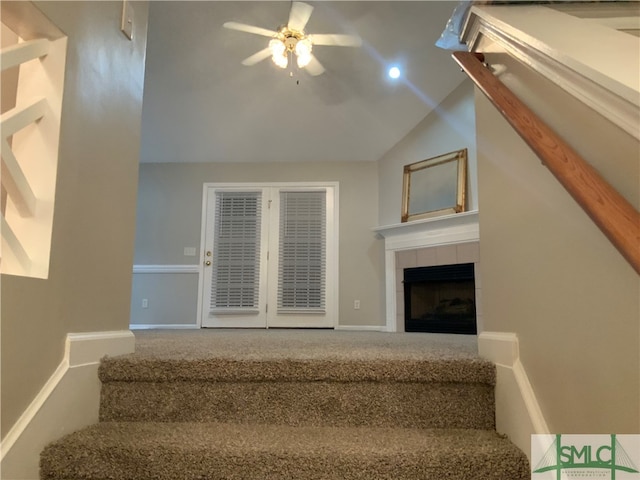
(589, 457)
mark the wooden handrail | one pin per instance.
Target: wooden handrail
(609, 210)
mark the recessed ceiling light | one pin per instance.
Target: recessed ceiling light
(394, 72)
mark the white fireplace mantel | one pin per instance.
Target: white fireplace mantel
(431, 232)
(444, 230)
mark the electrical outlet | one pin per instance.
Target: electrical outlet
(189, 251)
(145, 303)
(356, 304)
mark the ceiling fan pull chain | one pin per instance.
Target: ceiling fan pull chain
(290, 54)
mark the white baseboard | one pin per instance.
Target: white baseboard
(67, 402)
(518, 414)
(362, 328)
(178, 326)
(156, 326)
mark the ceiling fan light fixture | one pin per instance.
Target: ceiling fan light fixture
(278, 53)
(281, 61)
(303, 60)
(303, 52)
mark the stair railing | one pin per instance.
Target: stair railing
(609, 210)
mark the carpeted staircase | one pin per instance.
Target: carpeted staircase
(291, 405)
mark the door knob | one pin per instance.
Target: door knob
(207, 263)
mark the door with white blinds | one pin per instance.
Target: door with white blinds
(269, 256)
(234, 263)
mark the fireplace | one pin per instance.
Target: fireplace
(440, 299)
(446, 240)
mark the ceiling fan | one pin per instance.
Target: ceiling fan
(291, 39)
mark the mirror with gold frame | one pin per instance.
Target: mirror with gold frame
(434, 187)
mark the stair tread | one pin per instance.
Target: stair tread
(235, 451)
(293, 355)
(242, 344)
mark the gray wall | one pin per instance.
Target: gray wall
(170, 298)
(89, 284)
(169, 219)
(549, 274)
(449, 127)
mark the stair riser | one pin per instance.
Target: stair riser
(218, 451)
(379, 404)
(285, 370)
(194, 465)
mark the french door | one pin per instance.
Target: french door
(269, 256)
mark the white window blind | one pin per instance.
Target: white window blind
(236, 258)
(302, 252)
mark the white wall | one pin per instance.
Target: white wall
(449, 127)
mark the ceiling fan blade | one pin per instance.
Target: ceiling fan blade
(250, 29)
(336, 39)
(257, 57)
(314, 67)
(299, 16)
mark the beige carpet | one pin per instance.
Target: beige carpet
(257, 344)
(292, 404)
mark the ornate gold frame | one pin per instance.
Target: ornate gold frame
(439, 184)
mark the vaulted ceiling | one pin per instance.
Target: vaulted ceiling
(202, 105)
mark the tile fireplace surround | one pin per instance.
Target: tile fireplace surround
(446, 240)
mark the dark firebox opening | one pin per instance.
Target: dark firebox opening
(440, 299)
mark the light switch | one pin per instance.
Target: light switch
(127, 19)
